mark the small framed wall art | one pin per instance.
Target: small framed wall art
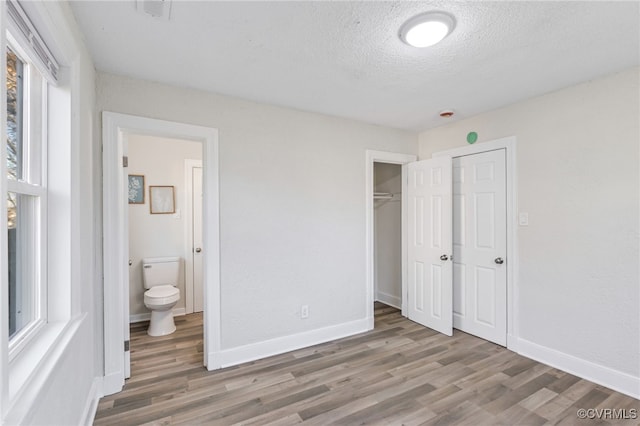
(136, 189)
(162, 199)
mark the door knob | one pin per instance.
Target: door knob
(499, 260)
(198, 249)
(444, 257)
(130, 262)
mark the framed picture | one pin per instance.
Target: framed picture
(136, 189)
(162, 199)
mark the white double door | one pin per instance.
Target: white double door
(457, 244)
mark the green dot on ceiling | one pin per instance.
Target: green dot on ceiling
(472, 137)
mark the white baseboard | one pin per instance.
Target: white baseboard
(251, 352)
(91, 404)
(605, 376)
(147, 315)
(389, 299)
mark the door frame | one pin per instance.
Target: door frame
(509, 145)
(389, 158)
(189, 164)
(115, 127)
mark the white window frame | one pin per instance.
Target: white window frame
(34, 142)
(26, 363)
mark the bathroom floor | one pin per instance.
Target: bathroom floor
(173, 352)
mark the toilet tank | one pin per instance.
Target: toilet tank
(160, 271)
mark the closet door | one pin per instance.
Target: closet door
(430, 276)
(480, 244)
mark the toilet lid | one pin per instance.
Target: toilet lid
(162, 291)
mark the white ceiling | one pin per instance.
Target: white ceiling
(345, 58)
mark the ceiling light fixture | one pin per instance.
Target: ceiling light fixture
(427, 29)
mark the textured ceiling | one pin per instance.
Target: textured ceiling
(345, 58)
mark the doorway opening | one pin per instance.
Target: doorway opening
(387, 244)
(161, 162)
(117, 130)
(386, 280)
(458, 257)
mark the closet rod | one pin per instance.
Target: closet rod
(384, 195)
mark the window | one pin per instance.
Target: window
(26, 197)
(29, 68)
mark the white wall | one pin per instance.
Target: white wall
(577, 164)
(292, 205)
(388, 237)
(161, 161)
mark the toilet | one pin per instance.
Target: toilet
(160, 277)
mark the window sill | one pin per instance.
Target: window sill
(31, 368)
(24, 337)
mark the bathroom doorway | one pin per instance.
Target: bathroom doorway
(162, 162)
(118, 129)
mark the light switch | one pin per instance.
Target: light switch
(523, 219)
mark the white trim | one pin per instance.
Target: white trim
(189, 164)
(501, 143)
(113, 236)
(36, 121)
(114, 127)
(259, 350)
(91, 403)
(605, 376)
(112, 381)
(177, 312)
(509, 145)
(389, 299)
(389, 158)
(25, 32)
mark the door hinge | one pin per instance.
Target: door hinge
(125, 161)
(126, 345)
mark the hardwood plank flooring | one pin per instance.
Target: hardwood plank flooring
(398, 374)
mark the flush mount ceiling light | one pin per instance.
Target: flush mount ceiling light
(427, 29)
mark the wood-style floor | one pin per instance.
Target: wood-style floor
(399, 373)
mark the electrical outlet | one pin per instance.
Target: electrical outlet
(523, 219)
(304, 311)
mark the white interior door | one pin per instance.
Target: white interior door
(198, 298)
(430, 244)
(479, 245)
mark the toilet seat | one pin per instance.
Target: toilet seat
(161, 295)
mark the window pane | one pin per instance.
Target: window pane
(15, 69)
(22, 260)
